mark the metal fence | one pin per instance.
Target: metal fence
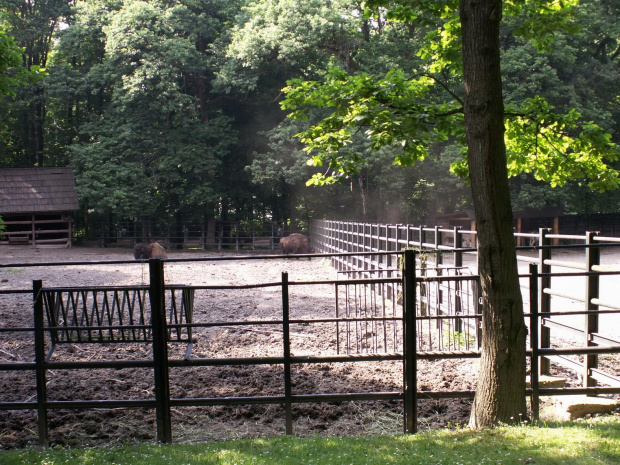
(417, 318)
(234, 235)
(113, 315)
(567, 298)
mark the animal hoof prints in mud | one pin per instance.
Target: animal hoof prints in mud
(144, 251)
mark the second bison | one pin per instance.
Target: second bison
(295, 244)
(144, 251)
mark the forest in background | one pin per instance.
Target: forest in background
(170, 110)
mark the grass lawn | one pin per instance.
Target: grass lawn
(589, 442)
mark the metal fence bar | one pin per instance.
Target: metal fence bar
(409, 334)
(160, 351)
(39, 356)
(534, 342)
(544, 269)
(593, 258)
(286, 340)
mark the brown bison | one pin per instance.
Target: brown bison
(144, 251)
(295, 244)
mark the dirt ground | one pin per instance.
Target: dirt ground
(18, 428)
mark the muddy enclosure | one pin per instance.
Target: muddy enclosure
(18, 428)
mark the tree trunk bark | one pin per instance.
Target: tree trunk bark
(39, 115)
(500, 394)
(363, 183)
(201, 85)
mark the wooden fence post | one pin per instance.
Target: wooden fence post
(39, 358)
(390, 246)
(409, 238)
(409, 343)
(160, 350)
(458, 244)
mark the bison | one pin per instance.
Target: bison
(295, 244)
(144, 251)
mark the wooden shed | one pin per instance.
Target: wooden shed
(37, 205)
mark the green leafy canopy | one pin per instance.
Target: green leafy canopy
(390, 110)
(559, 148)
(403, 112)
(12, 73)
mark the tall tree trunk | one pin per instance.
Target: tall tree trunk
(39, 115)
(363, 184)
(290, 219)
(201, 84)
(500, 394)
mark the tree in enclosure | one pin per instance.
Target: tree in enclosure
(400, 109)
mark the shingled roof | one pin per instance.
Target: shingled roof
(37, 190)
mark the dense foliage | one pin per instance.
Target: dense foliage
(170, 109)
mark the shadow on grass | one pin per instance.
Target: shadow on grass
(592, 442)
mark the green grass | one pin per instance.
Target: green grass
(13, 270)
(592, 442)
(457, 339)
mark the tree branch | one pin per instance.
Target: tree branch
(444, 85)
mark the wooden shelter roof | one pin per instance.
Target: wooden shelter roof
(37, 190)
